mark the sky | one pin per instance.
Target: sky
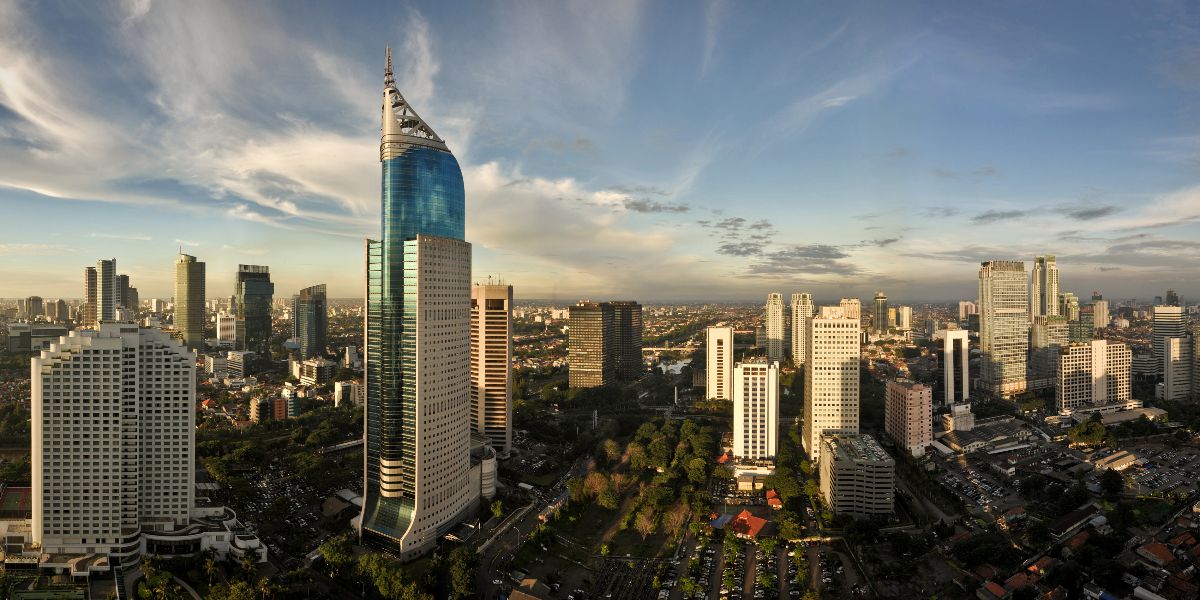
(658, 151)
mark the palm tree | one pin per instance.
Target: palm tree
(265, 588)
(210, 569)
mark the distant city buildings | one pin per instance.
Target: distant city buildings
(831, 378)
(310, 321)
(858, 478)
(91, 298)
(719, 359)
(107, 300)
(605, 343)
(1096, 373)
(956, 367)
(756, 410)
(254, 292)
(851, 308)
(879, 314)
(190, 317)
(491, 364)
(775, 320)
(1178, 364)
(1043, 287)
(230, 329)
(1166, 322)
(1004, 326)
(802, 313)
(908, 415)
(965, 308)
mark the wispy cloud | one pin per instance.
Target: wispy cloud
(996, 216)
(141, 237)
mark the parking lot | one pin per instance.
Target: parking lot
(1161, 471)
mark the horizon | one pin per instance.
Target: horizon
(892, 149)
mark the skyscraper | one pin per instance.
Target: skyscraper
(604, 343)
(965, 307)
(1003, 326)
(418, 340)
(91, 298)
(1166, 322)
(134, 470)
(189, 301)
(903, 318)
(1043, 287)
(879, 314)
(908, 414)
(254, 292)
(626, 343)
(491, 364)
(1094, 373)
(1047, 337)
(851, 308)
(802, 313)
(774, 320)
(719, 357)
(756, 409)
(310, 321)
(956, 367)
(106, 278)
(831, 378)
(1068, 306)
(34, 307)
(1100, 316)
(1172, 298)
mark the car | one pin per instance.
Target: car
(497, 582)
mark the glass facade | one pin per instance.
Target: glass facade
(422, 194)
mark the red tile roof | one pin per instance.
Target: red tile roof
(1158, 552)
(994, 589)
(1042, 565)
(747, 525)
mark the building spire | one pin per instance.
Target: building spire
(401, 124)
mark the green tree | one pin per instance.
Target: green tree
(1112, 484)
(608, 498)
(497, 508)
(646, 522)
(338, 553)
(462, 565)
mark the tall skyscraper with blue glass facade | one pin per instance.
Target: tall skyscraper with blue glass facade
(254, 292)
(417, 459)
(310, 320)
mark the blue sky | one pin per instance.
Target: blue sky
(651, 150)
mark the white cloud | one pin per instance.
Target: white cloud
(838, 101)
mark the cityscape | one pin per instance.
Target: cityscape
(789, 356)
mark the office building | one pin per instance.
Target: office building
(966, 307)
(237, 363)
(1100, 311)
(112, 461)
(1043, 287)
(1172, 298)
(254, 292)
(229, 328)
(190, 316)
(91, 298)
(604, 343)
(33, 337)
(956, 367)
(106, 282)
(1004, 326)
(775, 321)
(34, 307)
(1166, 322)
(1096, 373)
(215, 366)
(58, 311)
(756, 410)
(857, 477)
(1083, 328)
(851, 308)
(903, 318)
(908, 415)
(718, 353)
(1178, 362)
(418, 342)
(879, 314)
(802, 313)
(831, 378)
(491, 364)
(960, 418)
(349, 393)
(317, 372)
(127, 296)
(310, 321)
(1047, 336)
(1068, 306)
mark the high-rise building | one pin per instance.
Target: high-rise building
(851, 308)
(903, 318)
(831, 378)
(1004, 326)
(1166, 322)
(418, 341)
(228, 328)
(1043, 287)
(112, 461)
(34, 307)
(908, 415)
(1178, 364)
(189, 301)
(802, 313)
(254, 292)
(1100, 313)
(58, 311)
(858, 478)
(91, 298)
(719, 359)
(756, 409)
(956, 367)
(491, 364)
(604, 343)
(310, 320)
(123, 295)
(966, 307)
(775, 322)
(1172, 298)
(1068, 306)
(106, 277)
(1095, 373)
(879, 314)
(1047, 336)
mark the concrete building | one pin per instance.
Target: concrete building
(1097, 373)
(237, 361)
(756, 410)
(1166, 322)
(908, 415)
(91, 298)
(348, 393)
(254, 292)
(851, 308)
(903, 318)
(33, 337)
(966, 307)
(831, 378)
(604, 343)
(857, 477)
(956, 367)
(491, 364)
(106, 285)
(1043, 287)
(417, 470)
(879, 314)
(1047, 336)
(1068, 306)
(1178, 362)
(719, 363)
(626, 343)
(802, 314)
(775, 320)
(138, 440)
(1100, 313)
(215, 366)
(310, 321)
(960, 418)
(1004, 326)
(317, 372)
(34, 307)
(230, 328)
(190, 316)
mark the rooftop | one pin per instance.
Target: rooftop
(861, 447)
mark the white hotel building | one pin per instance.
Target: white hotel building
(831, 377)
(756, 410)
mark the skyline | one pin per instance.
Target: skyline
(626, 152)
